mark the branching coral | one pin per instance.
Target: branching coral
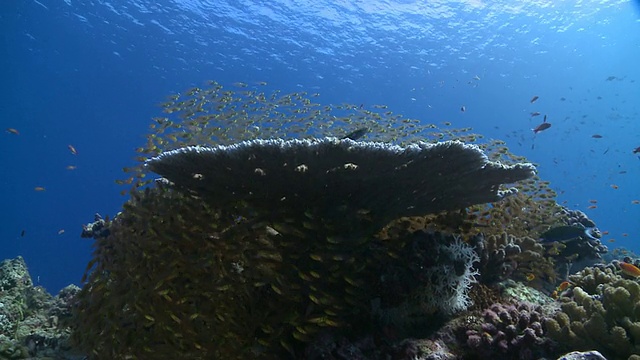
(507, 256)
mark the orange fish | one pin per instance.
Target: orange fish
(630, 269)
(563, 286)
(39, 188)
(72, 149)
(13, 131)
(531, 277)
(533, 99)
(606, 232)
(611, 240)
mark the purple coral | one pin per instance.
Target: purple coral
(509, 331)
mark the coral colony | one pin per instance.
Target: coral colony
(268, 226)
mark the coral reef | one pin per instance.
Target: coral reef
(311, 245)
(434, 275)
(602, 311)
(587, 355)
(329, 346)
(506, 256)
(359, 176)
(97, 229)
(30, 318)
(582, 251)
(211, 266)
(510, 331)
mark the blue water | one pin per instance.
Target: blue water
(89, 74)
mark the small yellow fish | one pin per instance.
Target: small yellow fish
(531, 277)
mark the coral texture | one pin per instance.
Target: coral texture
(602, 312)
(31, 320)
(510, 331)
(385, 180)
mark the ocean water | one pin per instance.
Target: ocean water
(90, 73)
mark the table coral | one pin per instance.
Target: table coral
(251, 250)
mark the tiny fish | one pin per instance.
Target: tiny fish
(531, 277)
(71, 167)
(636, 150)
(533, 99)
(535, 113)
(357, 134)
(476, 77)
(39, 188)
(463, 109)
(592, 207)
(596, 136)
(22, 233)
(13, 131)
(593, 201)
(635, 202)
(61, 231)
(563, 286)
(630, 269)
(72, 149)
(614, 186)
